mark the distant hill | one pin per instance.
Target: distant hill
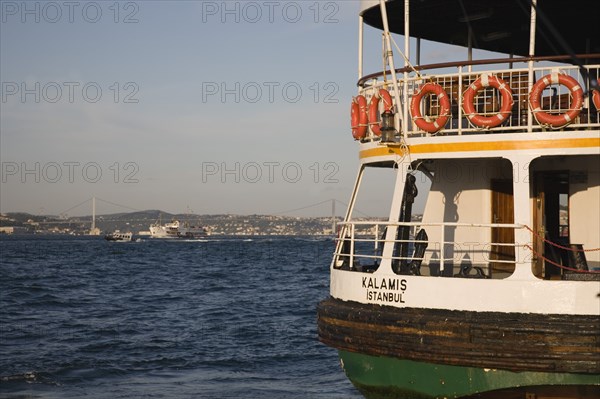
(140, 221)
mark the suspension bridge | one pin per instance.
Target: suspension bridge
(139, 220)
(89, 202)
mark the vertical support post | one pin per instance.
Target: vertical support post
(523, 216)
(343, 232)
(532, 29)
(406, 65)
(360, 46)
(418, 51)
(354, 193)
(392, 224)
(442, 249)
(352, 246)
(390, 58)
(459, 99)
(470, 48)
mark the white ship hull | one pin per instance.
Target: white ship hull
(177, 229)
(118, 236)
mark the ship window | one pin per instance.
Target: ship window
(360, 248)
(563, 217)
(374, 197)
(552, 223)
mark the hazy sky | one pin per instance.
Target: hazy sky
(201, 106)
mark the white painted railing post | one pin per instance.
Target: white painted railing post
(459, 99)
(442, 250)
(352, 245)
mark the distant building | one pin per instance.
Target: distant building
(13, 230)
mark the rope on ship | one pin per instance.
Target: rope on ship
(560, 246)
(411, 66)
(559, 265)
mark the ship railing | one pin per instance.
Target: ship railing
(360, 247)
(455, 78)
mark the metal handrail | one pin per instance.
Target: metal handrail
(491, 61)
(351, 228)
(521, 113)
(419, 224)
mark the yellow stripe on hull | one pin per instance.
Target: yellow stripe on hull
(509, 145)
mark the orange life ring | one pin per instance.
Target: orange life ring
(558, 120)
(469, 102)
(373, 114)
(358, 117)
(415, 108)
(596, 99)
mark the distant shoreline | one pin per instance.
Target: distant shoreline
(136, 222)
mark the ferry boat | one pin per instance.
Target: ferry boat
(119, 236)
(495, 293)
(177, 229)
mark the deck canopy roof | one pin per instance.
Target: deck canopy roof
(498, 25)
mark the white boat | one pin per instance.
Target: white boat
(495, 293)
(177, 229)
(119, 236)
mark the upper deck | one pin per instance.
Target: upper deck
(546, 99)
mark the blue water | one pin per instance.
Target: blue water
(216, 318)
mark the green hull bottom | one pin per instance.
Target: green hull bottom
(385, 378)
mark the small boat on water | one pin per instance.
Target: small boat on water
(119, 236)
(495, 293)
(177, 229)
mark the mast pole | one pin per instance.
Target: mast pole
(390, 58)
(406, 65)
(360, 46)
(521, 188)
(532, 29)
(470, 48)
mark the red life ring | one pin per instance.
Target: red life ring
(373, 114)
(596, 99)
(469, 102)
(415, 108)
(558, 120)
(358, 117)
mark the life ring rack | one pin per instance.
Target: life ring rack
(415, 108)
(481, 121)
(373, 113)
(556, 120)
(358, 117)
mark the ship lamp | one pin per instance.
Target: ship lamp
(388, 131)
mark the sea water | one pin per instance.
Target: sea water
(215, 318)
